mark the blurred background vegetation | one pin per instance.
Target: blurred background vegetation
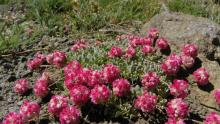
(86, 17)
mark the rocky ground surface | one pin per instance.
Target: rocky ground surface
(177, 28)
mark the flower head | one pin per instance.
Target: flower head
(41, 88)
(177, 108)
(29, 110)
(201, 76)
(115, 52)
(81, 44)
(57, 58)
(150, 80)
(79, 94)
(146, 49)
(162, 43)
(187, 61)
(217, 96)
(70, 115)
(121, 87)
(212, 118)
(110, 72)
(36, 61)
(56, 104)
(13, 118)
(146, 102)
(153, 33)
(95, 78)
(172, 64)
(99, 94)
(190, 50)
(179, 88)
(175, 121)
(130, 52)
(21, 86)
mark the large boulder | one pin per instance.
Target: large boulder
(180, 29)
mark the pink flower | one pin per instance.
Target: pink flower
(99, 94)
(79, 94)
(201, 76)
(95, 78)
(72, 66)
(177, 108)
(153, 33)
(41, 88)
(175, 121)
(217, 96)
(150, 80)
(146, 41)
(21, 86)
(110, 72)
(146, 49)
(146, 102)
(36, 61)
(172, 64)
(179, 88)
(115, 52)
(121, 87)
(134, 41)
(79, 45)
(29, 110)
(130, 52)
(56, 104)
(57, 58)
(162, 43)
(187, 61)
(212, 118)
(74, 78)
(190, 50)
(13, 118)
(70, 115)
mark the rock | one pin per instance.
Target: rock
(180, 28)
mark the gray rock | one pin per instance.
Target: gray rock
(180, 28)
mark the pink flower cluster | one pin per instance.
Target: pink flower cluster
(110, 72)
(172, 64)
(21, 86)
(36, 61)
(41, 86)
(153, 33)
(212, 118)
(29, 110)
(150, 80)
(121, 87)
(130, 52)
(99, 94)
(57, 58)
(147, 49)
(56, 104)
(217, 96)
(179, 88)
(175, 121)
(187, 61)
(13, 118)
(115, 52)
(79, 94)
(177, 108)
(162, 43)
(81, 44)
(190, 50)
(201, 76)
(146, 102)
(70, 115)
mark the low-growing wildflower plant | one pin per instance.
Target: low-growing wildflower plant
(129, 74)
